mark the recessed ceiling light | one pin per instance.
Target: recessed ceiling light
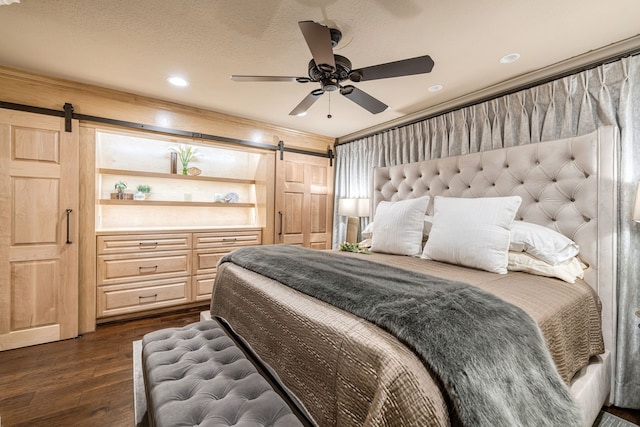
(512, 57)
(178, 81)
(435, 88)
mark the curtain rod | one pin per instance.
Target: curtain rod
(68, 114)
(626, 48)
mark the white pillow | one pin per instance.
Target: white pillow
(367, 233)
(567, 270)
(397, 226)
(542, 242)
(472, 232)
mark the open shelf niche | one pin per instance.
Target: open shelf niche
(177, 201)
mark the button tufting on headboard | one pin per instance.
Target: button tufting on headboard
(565, 185)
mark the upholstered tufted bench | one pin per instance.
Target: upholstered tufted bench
(198, 376)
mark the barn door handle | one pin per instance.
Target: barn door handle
(280, 214)
(68, 214)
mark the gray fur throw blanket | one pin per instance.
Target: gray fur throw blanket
(488, 354)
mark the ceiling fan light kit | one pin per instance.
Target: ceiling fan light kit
(330, 70)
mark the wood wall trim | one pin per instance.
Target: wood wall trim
(87, 243)
(22, 87)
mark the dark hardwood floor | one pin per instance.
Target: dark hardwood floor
(88, 381)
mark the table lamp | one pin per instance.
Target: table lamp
(354, 209)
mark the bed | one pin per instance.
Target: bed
(349, 371)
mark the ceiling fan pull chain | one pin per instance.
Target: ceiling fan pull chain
(329, 115)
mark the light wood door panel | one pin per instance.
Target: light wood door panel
(304, 203)
(36, 203)
(41, 145)
(319, 220)
(293, 207)
(38, 238)
(33, 299)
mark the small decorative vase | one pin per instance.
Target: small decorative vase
(174, 162)
(185, 171)
(139, 196)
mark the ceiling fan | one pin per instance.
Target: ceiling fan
(331, 70)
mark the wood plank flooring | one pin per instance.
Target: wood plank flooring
(88, 381)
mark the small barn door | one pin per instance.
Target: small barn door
(304, 201)
(38, 229)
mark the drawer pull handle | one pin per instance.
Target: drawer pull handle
(229, 239)
(148, 245)
(142, 269)
(148, 296)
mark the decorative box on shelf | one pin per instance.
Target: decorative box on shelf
(122, 196)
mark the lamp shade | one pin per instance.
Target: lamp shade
(353, 207)
(636, 207)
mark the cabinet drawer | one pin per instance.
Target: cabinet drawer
(126, 267)
(225, 240)
(138, 296)
(203, 286)
(124, 243)
(206, 261)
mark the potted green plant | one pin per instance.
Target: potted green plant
(144, 192)
(120, 186)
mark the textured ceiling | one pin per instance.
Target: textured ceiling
(134, 45)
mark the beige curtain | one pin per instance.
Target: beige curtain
(606, 95)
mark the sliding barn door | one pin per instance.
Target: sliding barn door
(38, 229)
(304, 201)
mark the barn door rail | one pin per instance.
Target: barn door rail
(68, 113)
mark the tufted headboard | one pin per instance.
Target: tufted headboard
(568, 185)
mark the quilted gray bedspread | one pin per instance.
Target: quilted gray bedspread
(488, 355)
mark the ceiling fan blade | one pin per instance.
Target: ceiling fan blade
(405, 67)
(363, 99)
(307, 102)
(318, 39)
(237, 78)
